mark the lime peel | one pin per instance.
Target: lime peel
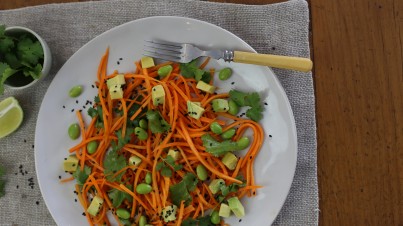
(11, 116)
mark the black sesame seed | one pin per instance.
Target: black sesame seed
(84, 214)
(64, 106)
(232, 83)
(72, 110)
(118, 62)
(33, 146)
(80, 110)
(37, 202)
(76, 101)
(121, 58)
(240, 220)
(75, 200)
(18, 186)
(266, 103)
(270, 136)
(92, 86)
(25, 141)
(254, 193)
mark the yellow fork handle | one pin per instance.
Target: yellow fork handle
(284, 62)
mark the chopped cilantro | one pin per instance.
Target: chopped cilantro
(192, 70)
(117, 196)
(200, 221)
(217, 148)
(5, 72)
(29, 51)
(81, 176)
(113, 163)
(156, 123)
(248, 99)
(180, 191)
(166, 165)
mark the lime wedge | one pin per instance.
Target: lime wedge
(11, 116)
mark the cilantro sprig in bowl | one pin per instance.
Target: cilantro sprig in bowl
(24, 57)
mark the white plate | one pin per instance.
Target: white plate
(275, 164)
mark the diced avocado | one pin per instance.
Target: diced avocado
(147, 62)
(225, 211)
(215, 185)
(236, 206)
(116, 92)
(70, 163)
(95, 205)
(220, 105)
(194, 109)
(134, 160)
(169, 212)
(205, 87)
(158, 95)
(174, 154)
(119, 80)
(229, 160)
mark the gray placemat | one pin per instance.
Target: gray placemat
(278, 29)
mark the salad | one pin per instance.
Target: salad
(163, 148)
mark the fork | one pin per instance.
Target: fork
(184, 53)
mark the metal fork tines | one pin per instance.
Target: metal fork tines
(177, 52)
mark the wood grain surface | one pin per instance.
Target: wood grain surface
(357, 48)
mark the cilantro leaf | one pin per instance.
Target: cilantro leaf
(29, 50)
(117, 196)
(36, 71)
(191, 181)
(166, 171)
(6, 44)
(189, 222)
(159, 165)
(156, 123)
(171, 161)
(248, 99)
(114, 162)
(12, 60)
(179, 192)
(2, 30)
(188, 69)
(5, 72)
(81, 176)
(217, 148)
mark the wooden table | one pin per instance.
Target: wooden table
(357, 49)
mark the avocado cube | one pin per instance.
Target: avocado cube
(229, 160)
(225, 211)
(119, 79)
(205, 87)
(174, 154)
(158, 95)
(95, 205)
(194, 110)
(147, 62)
(169, 212)
(70, 164)
(236, 206)
(215, 185)
(220, 105)
(116, 92)
(134, 161)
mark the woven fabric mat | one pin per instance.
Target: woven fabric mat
(278, 29)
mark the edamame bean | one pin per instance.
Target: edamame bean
(215, 218)
(142, 220)
(148, 178)
(164, 71)
(143, 124)
(243, 142)
(143, 189)
(123, 213)
(228, 134)
(75, 91)
(216, 128)
(225, 73)
(74, 131)
(233, 107)
(92, 147)
(201, 172)
(141, 133)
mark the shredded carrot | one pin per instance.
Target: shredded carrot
(113, 130)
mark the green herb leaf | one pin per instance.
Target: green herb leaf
(189, 222)
(113, 163)
(205, 221)
(156, 123)
(179, 192)
(217, 148)
(248, 99)
(2, 30)
(36, 72)
(188, 69)
(171, 161)
(224, 190)
(12, 60)
(117, 196)
(166, 171)
(191, 181)
(5, 72)
(81, 176)
(159, 165)
(6, 44)
(29, 50)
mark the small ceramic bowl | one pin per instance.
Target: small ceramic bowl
(22, 82)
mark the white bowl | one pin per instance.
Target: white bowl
(47, 57)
